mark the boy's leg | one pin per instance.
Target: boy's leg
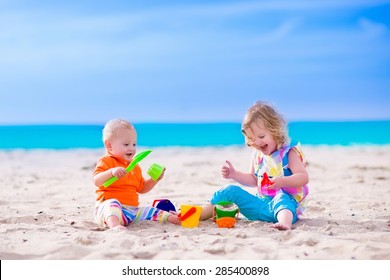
(207, 211)
(114, 222)
(110, 213)
(174, 219)
(151, 214)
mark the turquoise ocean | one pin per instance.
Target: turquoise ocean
(191, 134)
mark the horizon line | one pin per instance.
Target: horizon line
(186, 122)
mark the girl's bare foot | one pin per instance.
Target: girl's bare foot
(284, 218)
(281, 226)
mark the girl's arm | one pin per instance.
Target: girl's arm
(246, 179)
(299, 176)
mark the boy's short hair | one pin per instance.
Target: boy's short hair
(113, 125)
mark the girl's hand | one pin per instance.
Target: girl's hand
(277, 183)
(118, 172)
(228, 171)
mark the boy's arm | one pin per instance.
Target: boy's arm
(100, 178)
(148, 185)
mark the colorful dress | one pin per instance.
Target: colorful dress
(276, 165)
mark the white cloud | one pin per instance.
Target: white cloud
(241, 7)
(209, 47)
(281, 31)
(372, 29)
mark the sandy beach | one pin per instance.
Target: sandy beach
(47, 200)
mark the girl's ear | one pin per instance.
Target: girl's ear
(107, 144)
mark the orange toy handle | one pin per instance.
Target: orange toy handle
(188, 214)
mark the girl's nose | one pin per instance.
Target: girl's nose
(258, 142)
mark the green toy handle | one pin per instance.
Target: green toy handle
(110, 181)
(137, 158)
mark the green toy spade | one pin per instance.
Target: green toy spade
(137, 158)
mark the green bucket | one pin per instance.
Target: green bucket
(226, 209)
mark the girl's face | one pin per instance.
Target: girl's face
(123, 144)
(260, 138)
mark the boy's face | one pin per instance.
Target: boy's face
(260, 138)
(123, 143)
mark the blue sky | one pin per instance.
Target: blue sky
(193, 61)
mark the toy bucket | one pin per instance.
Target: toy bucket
(225, 214)
(190, 215)
(225, 209)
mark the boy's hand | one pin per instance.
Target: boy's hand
(161, 176)
(118, 172)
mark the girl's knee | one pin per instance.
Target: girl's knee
(283, 201)
(232, 189)
(227, 193)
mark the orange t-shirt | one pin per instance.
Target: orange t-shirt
(124, 189)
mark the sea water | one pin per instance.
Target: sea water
(190, 134)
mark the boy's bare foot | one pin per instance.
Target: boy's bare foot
(281, 226)
(113, 223)
(174, 219)
(119, 227)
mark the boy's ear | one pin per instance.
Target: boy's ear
(107, 144)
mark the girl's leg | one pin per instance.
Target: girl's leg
(284, 207)
(285, 218)
(251, 206)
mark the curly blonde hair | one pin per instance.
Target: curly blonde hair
(113, 125)
(273, 121)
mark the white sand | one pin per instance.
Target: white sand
(47, 200)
